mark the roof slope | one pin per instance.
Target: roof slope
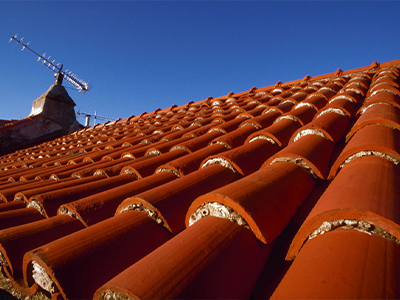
(286, 191)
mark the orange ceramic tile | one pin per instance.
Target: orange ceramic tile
(377, 113)
(115, 167)
(261, 121)
(343, 102)
(38, 173)
(247, 158)
(261, 199)
(12, 205)
(391, 94)
(213, 259)
(7, 192)
(376, 139)
(17, 240)
(89, 169)
(363, 196)
(26, 193)
(331, 123)
(17, 217)
(299, 95)
(235, 138)
(191, 162)
(201, 141)
(317, 99)
(148, 166)
(343, 264)
(100, 206)
(14, 174)
(303, 113)
(286, 105)
(312, 151)
(165, 147)
(168, 203)
(279, 133)
(384, 80)
(122, 239)
(250, 158)
(48, 203)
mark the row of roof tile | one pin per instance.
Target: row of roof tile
(191, 201)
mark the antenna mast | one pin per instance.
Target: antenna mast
(74, 80)
(96, 117)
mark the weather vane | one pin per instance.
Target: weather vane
(76, 82)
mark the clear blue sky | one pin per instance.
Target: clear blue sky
(141, 56)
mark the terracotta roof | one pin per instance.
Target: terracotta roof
(285, 191)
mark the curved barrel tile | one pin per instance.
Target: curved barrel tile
(25, 194)
(317, 99)
(262, 199)
(331, 123)
(148, 166)
(213, 259)
(344, 103)
(8, 193)
(98, 252)
(391, 95)
(191, 162)
(247, 158)
(363, 196)
(19, 216)
(98, 207)
(376, 139)
(8, 206)
(168, 203)
(16, 241)
(235, 138)
(48, 203)
(377, 113)
(312, 151)
(304, 113)
(343, 264)
(279, 133)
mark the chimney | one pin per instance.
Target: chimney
(56, 105)
(52, 116)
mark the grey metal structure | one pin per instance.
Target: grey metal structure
(74, 80)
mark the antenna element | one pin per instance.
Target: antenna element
(96, 117)
(74, 80)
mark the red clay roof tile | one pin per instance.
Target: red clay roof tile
(170, 202)
(11, 205)
(98, 207)
(17, 240)
(247, 158)
(353, 195)
(280, 132)
(266, 216)
(343, 264)
(205, 261)
(312, 151)
(17, 217)
(377, 113)
(331, 123)
(376, 138)
(48, 203)
(98, 252)
(202, 160)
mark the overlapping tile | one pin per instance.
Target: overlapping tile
(198, 195)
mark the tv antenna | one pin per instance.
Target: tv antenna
(96, 117)
(74, 80)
